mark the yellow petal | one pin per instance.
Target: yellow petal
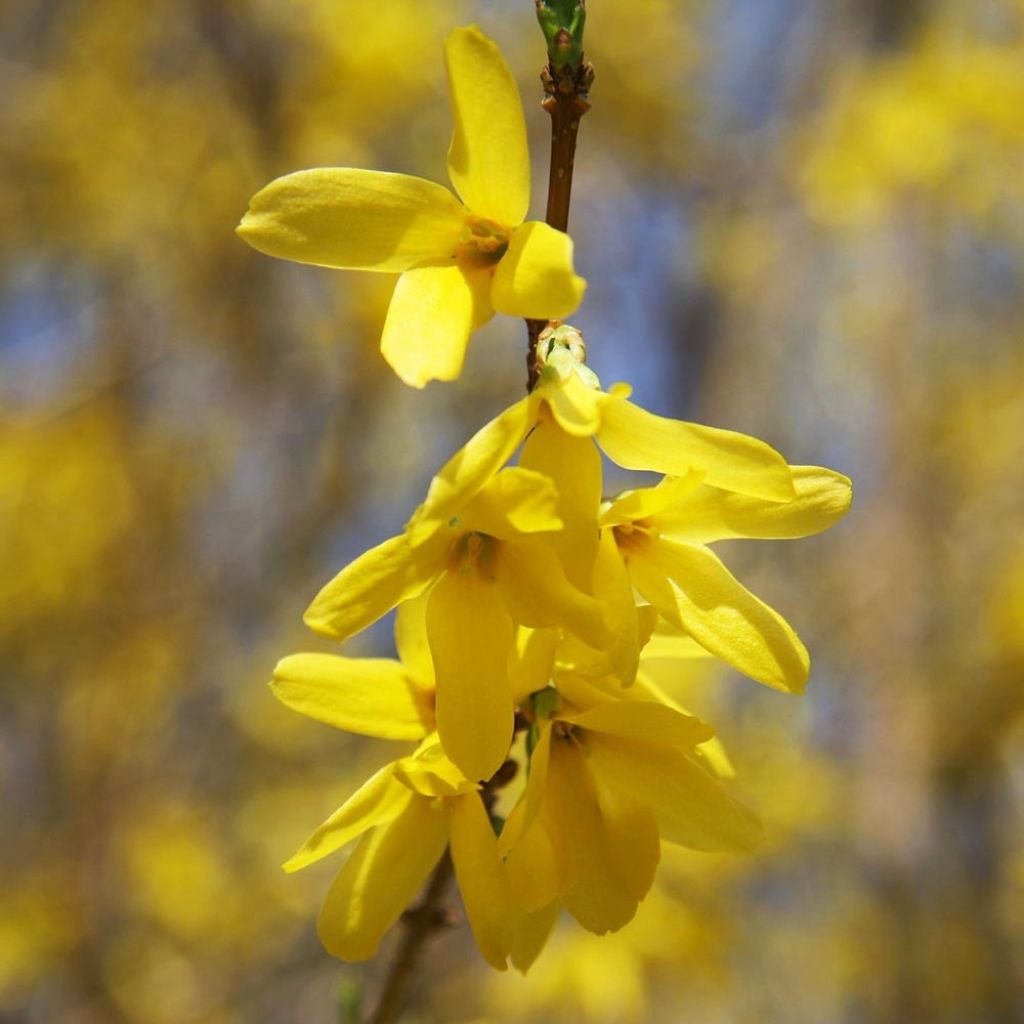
(370, 696)
(645, 502)
(378, 800)
(643, 720)
(535, 278)
(533, 796)
(613, 588)
(530, 862)
(381, 879)
(709, 514)
(528, 934)
(432, 314)
(470, 639)
(575, 406)
(592, 883)
(721, 614)
(637, 439)
(429, 772)
(668, 643)
(473, 465)
(536, 593)
(488, 161)
(513, 502)
(411, 642)
(574, 463)
(372, 585)
(531, 661)
(693, 809)
(485, 888)
(355, 220)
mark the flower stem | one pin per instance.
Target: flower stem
(566, 78)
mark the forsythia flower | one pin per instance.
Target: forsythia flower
(459, 261)
(487, 572)
(407, 812)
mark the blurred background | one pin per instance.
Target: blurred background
(799, 218)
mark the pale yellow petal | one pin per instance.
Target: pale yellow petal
(513, 502)
(378, 800)
(355, 220)
(709, 513)
(531, 661)
(470, 638)
(536, 592)
(429, 772)
(592, 883)
(637, 439)
(370, 696)
(411, 640)
(432, 314)
(613, 588)
(381, 879)
(643, 720)
(692, 807)
(723, 616)
(530, 862)
(488, 160)
(575, 405)
(645, 502)
(372, 585)
(473, 465)
(483, 883)
(574, 463)
(533, 796)
(535, 278)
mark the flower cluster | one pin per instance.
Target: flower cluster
(526, 603)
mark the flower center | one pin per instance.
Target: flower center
(474, 552)
(482, 244)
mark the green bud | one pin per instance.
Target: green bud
(562, 23)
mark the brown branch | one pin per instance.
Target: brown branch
(566, 100)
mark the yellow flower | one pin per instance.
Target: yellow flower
(662, 533)
(608, 780)
(407, 812)
(459, 261)
(487, 571)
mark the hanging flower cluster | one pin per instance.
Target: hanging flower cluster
(527, 603)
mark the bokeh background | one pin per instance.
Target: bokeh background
(799, 218)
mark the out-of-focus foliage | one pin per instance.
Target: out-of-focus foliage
(797, 220)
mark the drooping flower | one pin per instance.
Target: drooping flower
(662, 534)
(609, 779)
(459, 261)
(487, 570)
(407, 812)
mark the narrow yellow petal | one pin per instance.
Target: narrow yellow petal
(529, 934)
(432, 314)
(692, 807)
(411, 642)
(592, 883)
(531, 661)
(483, 883)
(355, 220)
(574, 463)
(378, 800)
(637, 439)
(513, 502)
(644, 720)
(488, 160)
(372, 585)
(535, 278)
(429, 772)
(533, 796)
(613, 588)
(645, 502)
(470, 639)
(473, 465)
(370, 696)
(381, 879)
(575, 406)
(709, 514)
(530, 862)
(710, 604)
(536, 592)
